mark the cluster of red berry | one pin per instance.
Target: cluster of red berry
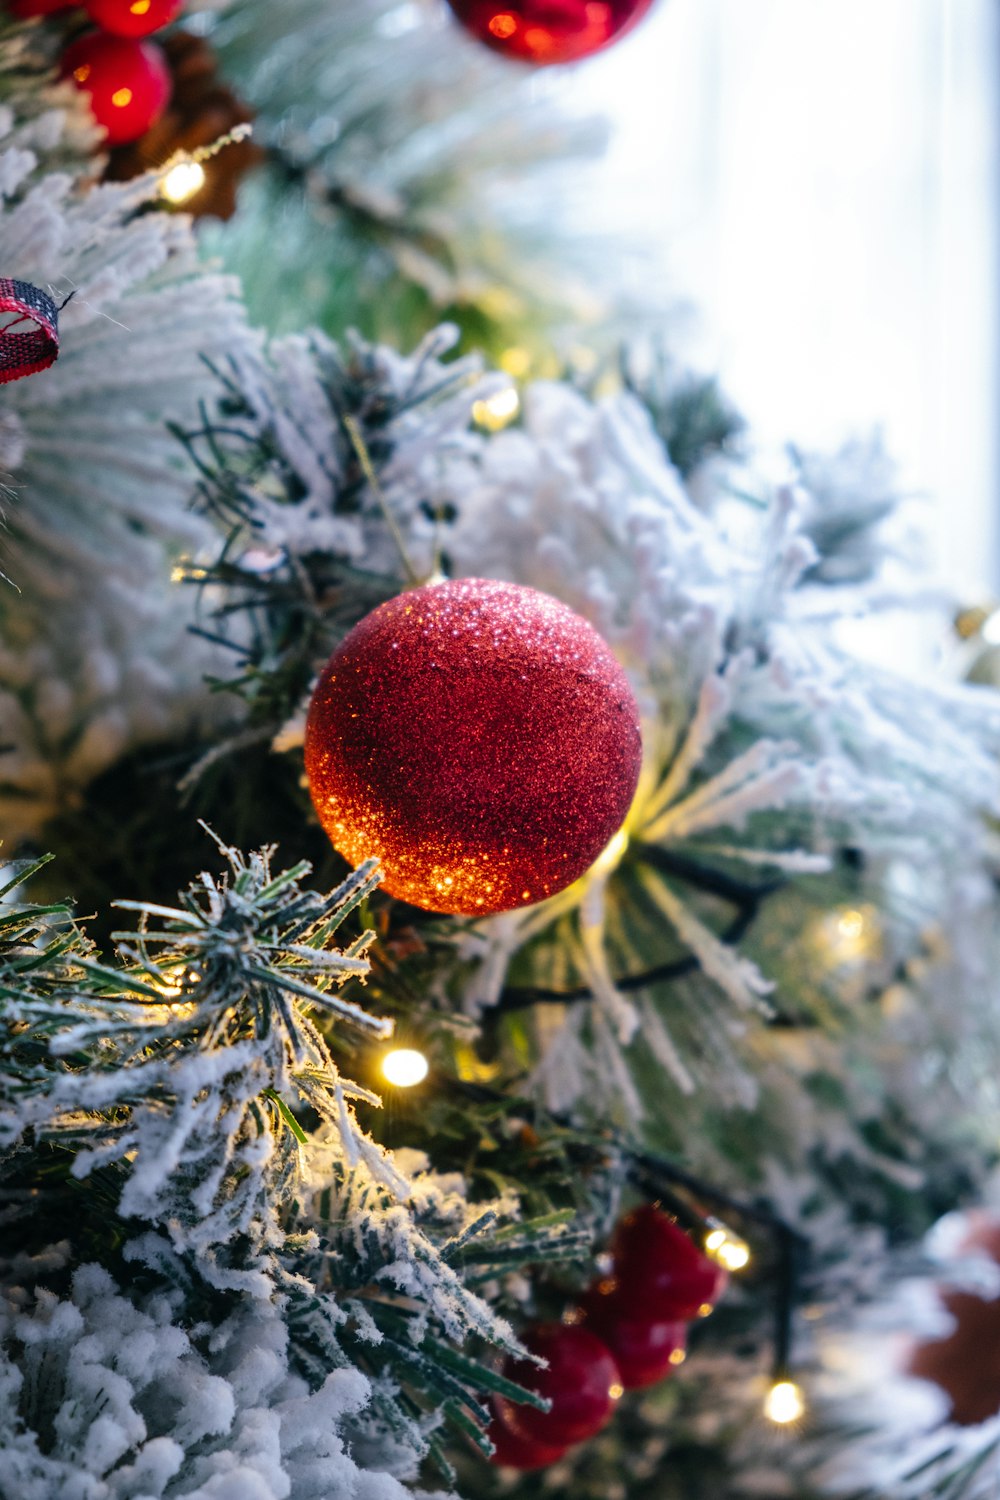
(127, 77)
(629, 1331)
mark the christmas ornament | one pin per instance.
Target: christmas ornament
(512, 1451)
(549, 31)
(201, 111)
(659, 1272)
(132, 17)
(26, 350)
(966, 1363)
(582, 1382)
(645, 1349)
(480, 739)
(128, 82)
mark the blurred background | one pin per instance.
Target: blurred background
(823, 184)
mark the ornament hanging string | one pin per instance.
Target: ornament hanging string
(24, 350)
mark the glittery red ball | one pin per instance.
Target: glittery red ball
(132, 17)
(659, 1271)
(480, 739)
(582, 1382)
(549, 31)
(512, 1451)
(128, 82)
(645, 1349)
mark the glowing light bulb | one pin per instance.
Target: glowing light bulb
(182, 181)
(784, 1403)
(497, 411)
(727, 1248)
(404, 1067)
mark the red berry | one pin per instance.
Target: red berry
(659, 1271)
(128, 82)
(26, 8)
(582, 1382)
(132, 17)
(645, 1349)
(512, 1451)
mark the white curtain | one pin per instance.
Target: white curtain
(823, 178)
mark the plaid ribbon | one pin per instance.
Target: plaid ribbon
(24, 352)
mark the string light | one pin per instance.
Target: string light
(404, 1067)
(727, 1248)
(497, 411)
(182, 181)
(784, 1403)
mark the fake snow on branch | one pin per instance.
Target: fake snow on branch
(186, 1064)
(95, 655)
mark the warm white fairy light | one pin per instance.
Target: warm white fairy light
(182, 181)
(404, 1067)
(727, 1248)
(497, 411)
(784, 1403)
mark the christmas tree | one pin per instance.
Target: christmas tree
(467, 916)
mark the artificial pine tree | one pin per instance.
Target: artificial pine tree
(300, 1181)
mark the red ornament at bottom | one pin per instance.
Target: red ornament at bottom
(549, 31)
(659, 1271)
(512, 1451)
(128, 82)
(645, 1350)
(582, 1382)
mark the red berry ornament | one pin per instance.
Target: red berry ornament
(478, 738)
(659, 1271)
(644, 1349)
(132, 17)
(582, 1382)
(128, 82)
(512, 1451)
(549, 31)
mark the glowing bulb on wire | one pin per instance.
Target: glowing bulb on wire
(726, 1248)
(404, 1067)
(182, 181)
(497, 411)
(784, 1403)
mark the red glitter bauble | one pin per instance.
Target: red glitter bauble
(479, 739)
(128, 82)
(132, 17)
(512, 1451)
(645, 1349)
(549, 31)
(659, 1272)
(582, 1382)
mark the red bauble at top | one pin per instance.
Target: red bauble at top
(479, 739)
(645, 1349)
(582, 1382)
(659, 1272)
(128, 82)
(549, 31)
(133, 17)
(512, 1451)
